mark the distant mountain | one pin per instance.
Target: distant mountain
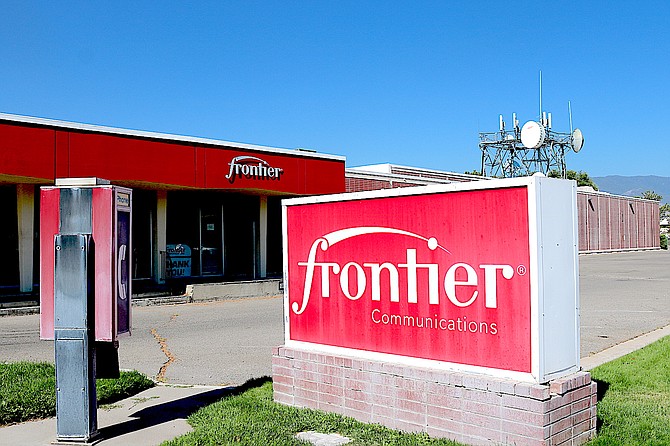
(634, 186)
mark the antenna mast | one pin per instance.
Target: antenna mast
(540, 114)
(535, 147)
(570, 114)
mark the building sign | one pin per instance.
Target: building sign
(123, 199)
(251, 167)
(439, 276)
(178, 261)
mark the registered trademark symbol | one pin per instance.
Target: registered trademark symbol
(521, 270)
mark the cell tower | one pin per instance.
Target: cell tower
(523, 151)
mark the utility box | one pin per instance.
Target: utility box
(108, 219)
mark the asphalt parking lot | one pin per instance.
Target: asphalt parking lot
(622, 295)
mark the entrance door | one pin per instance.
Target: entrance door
(9, 240)
(211, 241)
(241, 235)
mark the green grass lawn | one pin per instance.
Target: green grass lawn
(635, 409)
(252, 418)
(28, 390)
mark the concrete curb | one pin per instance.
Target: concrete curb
(19, 311)
(144, 302)
(167, 300)
(137, 302)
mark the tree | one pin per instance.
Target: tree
(473, 172)
(582, 178)
(651, 195)
(665, 211)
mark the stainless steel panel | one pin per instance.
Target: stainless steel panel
(76, 417)
(70, 281)
(76, 210)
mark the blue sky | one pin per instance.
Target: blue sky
(402, 82)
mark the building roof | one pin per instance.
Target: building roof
(44, 122)
(429, 175)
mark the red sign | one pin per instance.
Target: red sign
(442, 276)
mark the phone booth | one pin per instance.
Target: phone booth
(85, 291)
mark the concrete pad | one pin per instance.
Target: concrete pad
(319, 439)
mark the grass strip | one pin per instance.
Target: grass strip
(253, 418)
(28, 390)
(635, 408)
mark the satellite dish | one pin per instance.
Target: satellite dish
(532, 135)
(577, 140)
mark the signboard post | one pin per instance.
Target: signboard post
(478, 279)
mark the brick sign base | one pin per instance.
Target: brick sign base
(469, 408)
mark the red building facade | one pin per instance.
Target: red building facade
(203, 210)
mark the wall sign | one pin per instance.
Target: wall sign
(252, 167)
(447, 275)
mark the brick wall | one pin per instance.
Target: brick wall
(469, 408)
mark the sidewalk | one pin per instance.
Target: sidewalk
(159, 414)
(148, 418)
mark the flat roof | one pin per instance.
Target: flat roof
(353, 172)
(415, 172)
(161, 136)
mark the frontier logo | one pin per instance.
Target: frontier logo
(451, 276)
(253, 168)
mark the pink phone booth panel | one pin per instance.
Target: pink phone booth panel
(103, 236)
(49, 223)
(102, 226)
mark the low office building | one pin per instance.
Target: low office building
(203, 210)
(606, 222)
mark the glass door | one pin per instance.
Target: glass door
(211, 241)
